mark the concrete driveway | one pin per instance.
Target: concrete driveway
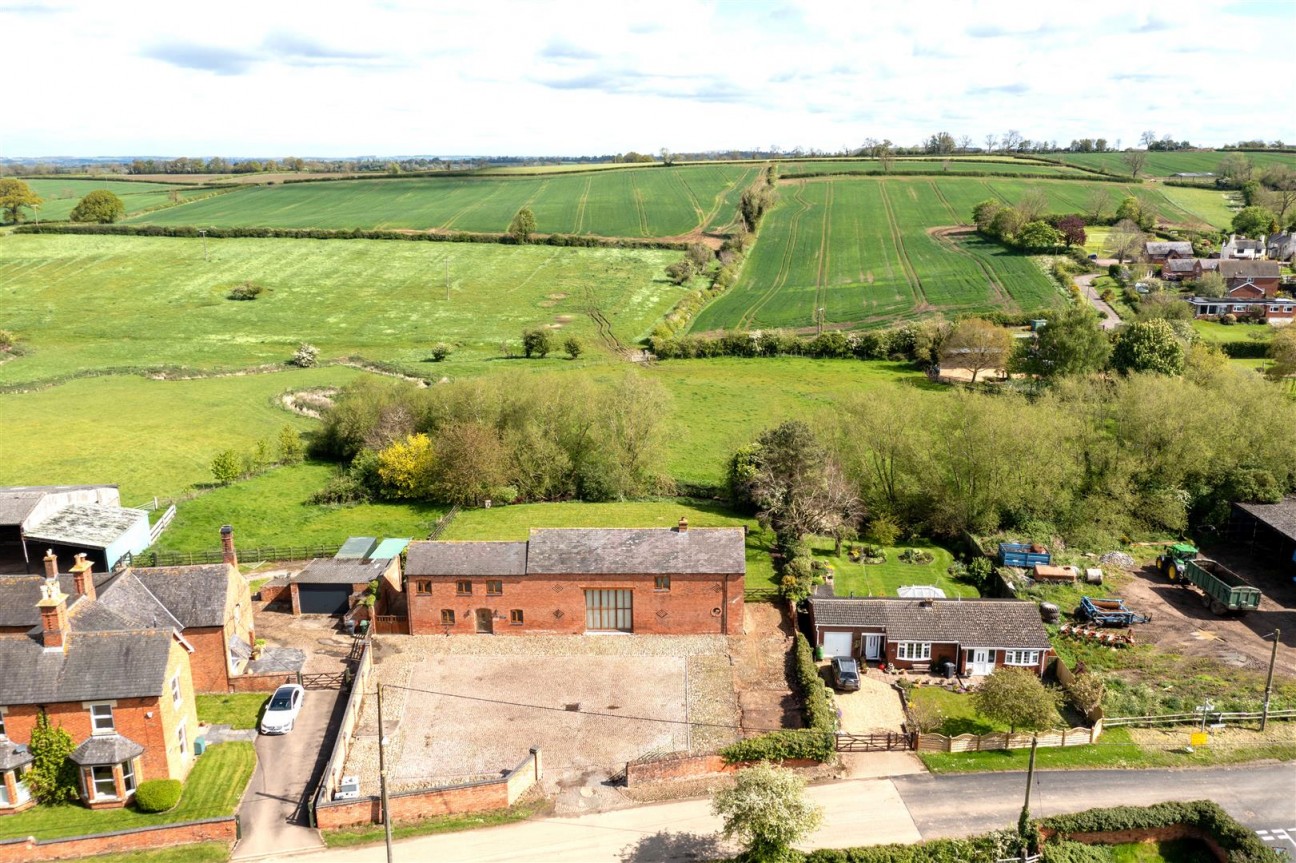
(275, 813)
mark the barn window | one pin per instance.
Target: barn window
(515, 617)
(661, 582)
(463, 588)
(424, 587)
(494, 588)
(447, 616)
(609, 610)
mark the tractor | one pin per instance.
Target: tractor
(1171, 564)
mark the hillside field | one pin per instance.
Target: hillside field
(952, 165)
(103, 302)
(633, 202)
(1167, 163)
(61, 194)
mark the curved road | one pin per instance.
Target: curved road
(1085, 282)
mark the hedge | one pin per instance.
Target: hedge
(818, 741)
(978, 849)
(1245, 350)
(1240, 844)
(157, 795)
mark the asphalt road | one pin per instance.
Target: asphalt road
(274, 813)
(859, 812)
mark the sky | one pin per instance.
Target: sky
(323, 78)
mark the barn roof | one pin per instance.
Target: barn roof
(90, 525)
(466, 558)
(1280, 516)
(631, 551)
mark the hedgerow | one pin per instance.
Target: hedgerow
(1239, 843)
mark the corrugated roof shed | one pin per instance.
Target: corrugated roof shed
(389, 548)
(357, 547)
(87, 524)
(1007, 623)
(345, 571)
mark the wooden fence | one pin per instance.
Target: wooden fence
(1212, 718)
(762, 594)
(269, 552)
(161, 524)
(998, 740)
(391, 624)
(884, 742)
(442, 523)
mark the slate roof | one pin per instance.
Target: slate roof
(1280, 516)
(466, 558)
(130, 598)
(97, 665)
(1231, 269)
(105, 749)
(1179, 265)
(20, 593)
(343, 571)
(1165, 248)
(627, 551)
(87, 524)
(991, 623)
(13, 755)
(194, 595)
(90, 616)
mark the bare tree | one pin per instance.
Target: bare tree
(1032, 205)
(1148, 138)
(1012, 139)
(1125, 241)
(965, 143)
(1098, 202)
(976, 345)
(990, 142)
(1134, 160)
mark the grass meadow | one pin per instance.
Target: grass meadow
(84, 302)
(1165, 164)
(634, 202)
(61, 194)
(952, 165)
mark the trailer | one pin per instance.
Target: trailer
(1023, 555)
(1222, 590)
(1110, 611)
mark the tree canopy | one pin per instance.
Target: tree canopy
(976, 345)
(1071, 343)
(15, 196)
(766, 809)
(1149, 346)
(1254, 222)
(523, 225)
(1017, 698)
(100, 206)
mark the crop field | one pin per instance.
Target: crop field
(868, 252)
(61, 194)
(953, 165)
(1209, 205)
(1165, 164)
(102, 302)
(634, 202)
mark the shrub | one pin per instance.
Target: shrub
(1075, 852)
(246, 291)
(157, 795)
(341, 489)
(573, 347)
(536, 342)
(915, 556)
(440, 351)
(306, 357)
(884, 530)
(226, 467)
(1240, 844)
(52, 778)
(7, 341)
(781, 746)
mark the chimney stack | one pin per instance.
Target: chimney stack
(54, 616)
(227, 545)
(83, 577)
(683, 524)
(51, 564)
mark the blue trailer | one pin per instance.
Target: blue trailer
(1023, 554)
(1109, 612)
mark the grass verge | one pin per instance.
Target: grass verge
(206, 852)
(353, 836)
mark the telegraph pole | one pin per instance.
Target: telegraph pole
(382, 777)
(203, 234)
(447, 278)
(1273, 656)
(1025, 813)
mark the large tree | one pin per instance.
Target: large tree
(15, 196)
(766, 809)
(1071, 343)
(1124, 241)
(976, 345)
(523, 225)
(100, 206)
(1072, 229)
(1038, 236)
(1254, 222)
(1283, 353)
(1149, 346)
(1237, 168)
(1015, 697)
(1134, 160)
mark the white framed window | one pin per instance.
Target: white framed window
(182, 737)
(1021, 657)
(176, 700)
(913, 650)
(102, 781)
(101, 719)
(128, 776)
(2, 725)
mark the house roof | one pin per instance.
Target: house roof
(13, 755)
(20, 593)
(91, 616)
(96, 666)
(1165, 248)
(1180, 265)
(340, 571)
(357, 546)
(1243, 243)
(90, 525)
(105, 749)
(466, 558)
(1280, 516)
(1231, 269)
(627, 551)
(129, 597)
(969, 622)
(193, 595)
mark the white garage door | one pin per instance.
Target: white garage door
(837, 644)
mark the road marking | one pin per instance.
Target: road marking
(1279, 834)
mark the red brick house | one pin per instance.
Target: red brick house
(123, 692)
(1251, 279)
(1157, 251)
(666, 581)
(1278, 312)
(977, 635)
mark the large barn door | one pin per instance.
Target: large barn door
(609, 611)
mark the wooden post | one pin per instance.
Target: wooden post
(1273, 656)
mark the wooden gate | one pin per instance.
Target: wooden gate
(338, 680)
(882, 742)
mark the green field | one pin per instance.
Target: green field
(952, 165)
(1213, 207)
(1165, 164)
(61, 194)
(634, 202)
(84, 302)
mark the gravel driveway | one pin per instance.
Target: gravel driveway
(875, 707)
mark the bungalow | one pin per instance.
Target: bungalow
(1276, 312)
(124, 693)
(1242, 248)
(1281, 247)
(672, 581)
(1158, 251)
(975, 635)
(1251, 279)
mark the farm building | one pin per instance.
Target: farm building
(327, 586)
(68, 519)
(671, 581)
(1269, 529)
(976, 635)
(1158, 252)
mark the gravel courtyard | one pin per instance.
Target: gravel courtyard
(464, 708)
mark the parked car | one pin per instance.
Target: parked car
(845, 673)
(281, 713)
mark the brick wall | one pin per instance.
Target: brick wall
(260, 682)
(426, 803)
(689, 767)
(27, 851)
(272, 592)
(130, 715)
(555, 604)
(208, 661)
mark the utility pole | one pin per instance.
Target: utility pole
(819, 320)
(1025, 813)
(203, 234)
(382, 776)
(1273, 655)
(447, 278)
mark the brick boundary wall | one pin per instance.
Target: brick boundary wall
(28, 850)
(332, 776)
(423, 803)
(260, 682)
(691, 767)
(1142, 834)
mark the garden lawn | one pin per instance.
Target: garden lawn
(212, 790)
(206, 852)
(514, 523)
(271, 509)
(961, 717)
(1217, 333)
(885, 579)
(237, 710)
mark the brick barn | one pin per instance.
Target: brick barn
(977, 635)
(664, 581)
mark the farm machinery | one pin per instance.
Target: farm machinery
(1222, 590)
(1109, 612)
(1172, 563)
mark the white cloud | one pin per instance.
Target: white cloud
(512, 77)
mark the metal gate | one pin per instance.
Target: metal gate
(887, 742)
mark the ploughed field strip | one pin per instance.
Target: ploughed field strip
(863, 250)
(634, 202)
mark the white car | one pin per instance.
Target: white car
(281, 713)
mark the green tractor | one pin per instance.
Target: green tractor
(1171, 564)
